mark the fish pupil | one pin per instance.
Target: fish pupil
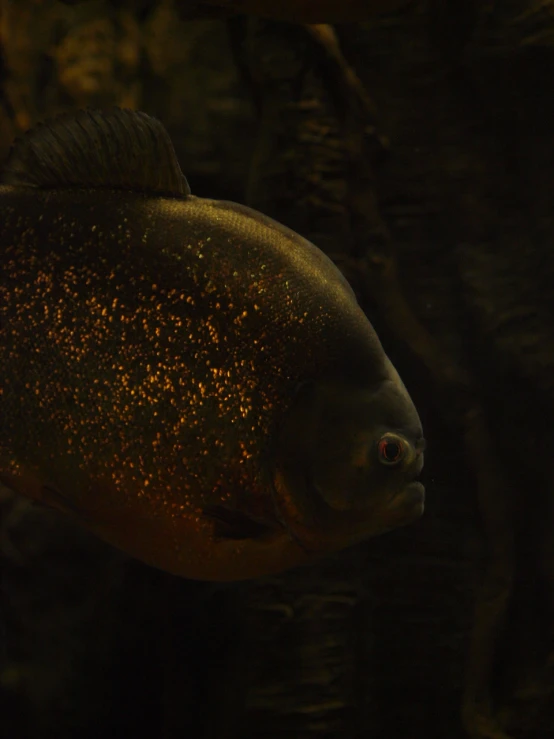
(390, 450)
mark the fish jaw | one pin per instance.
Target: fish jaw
(320, 529)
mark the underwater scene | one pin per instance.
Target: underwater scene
(277, 369)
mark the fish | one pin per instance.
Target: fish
(190, 380)
(292, 11)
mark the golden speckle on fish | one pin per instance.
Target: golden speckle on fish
(187, 378)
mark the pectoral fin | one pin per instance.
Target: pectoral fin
(25, 485)
(31, 487)
(233, 524)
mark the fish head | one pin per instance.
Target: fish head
(348, 461)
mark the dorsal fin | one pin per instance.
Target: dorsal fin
(116, 149)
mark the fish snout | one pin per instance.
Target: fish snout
(419, 459)
(420, 446)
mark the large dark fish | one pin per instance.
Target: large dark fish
(293, 11)
(188, 378)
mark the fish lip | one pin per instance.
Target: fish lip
(413, 494)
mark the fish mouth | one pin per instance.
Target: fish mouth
(412, 497)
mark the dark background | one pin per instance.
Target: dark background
(416, 147)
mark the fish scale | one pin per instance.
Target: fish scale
(117, 346)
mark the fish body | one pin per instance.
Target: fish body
(186, 377)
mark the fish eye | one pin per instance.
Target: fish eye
(391, 449)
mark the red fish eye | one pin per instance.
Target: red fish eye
(391, 450)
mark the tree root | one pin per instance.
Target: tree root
(458, 392)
